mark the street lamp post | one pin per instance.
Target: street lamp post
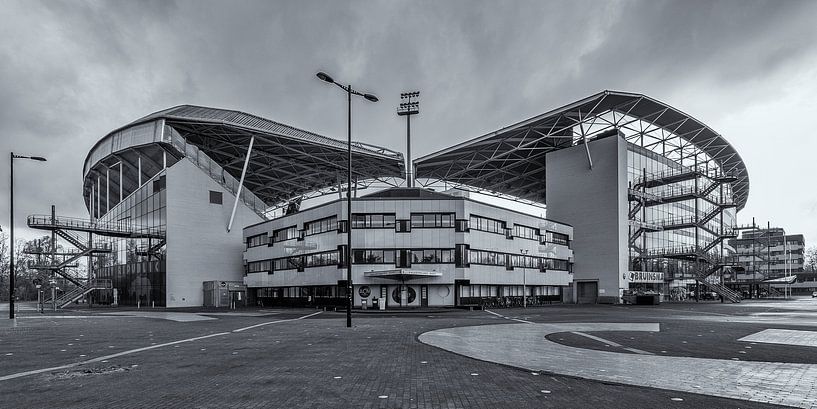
(349, 92)
(524, 279)
(12, 157)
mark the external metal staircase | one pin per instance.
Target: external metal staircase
(722, 290)
(109, 229)
(81, 290)
(80, 233)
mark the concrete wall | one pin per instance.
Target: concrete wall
(594, 201)
(198, 246)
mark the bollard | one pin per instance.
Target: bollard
(153, 304)
(138, 304)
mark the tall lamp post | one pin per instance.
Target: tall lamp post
(349, 92)
(12, 157)
(524, 279)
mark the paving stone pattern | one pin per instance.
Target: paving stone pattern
(526, 346)
(312, 363)
(784, 336)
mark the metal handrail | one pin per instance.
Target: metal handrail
(120, 227)
(78, 291)
(713, 173)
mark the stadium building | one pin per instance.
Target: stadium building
(643, 195)
(651, 192)
(160, 192)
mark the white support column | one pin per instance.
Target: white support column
(587, 150)
(240, 184)
(139, 169)
(98, 194)
(164, 159)
(121, 182)
(91, 201)
(107, 188)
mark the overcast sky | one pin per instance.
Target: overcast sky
(70, 72)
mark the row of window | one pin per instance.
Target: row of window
(485, 224)
(407, 257)
(493, 258)
(325, 258)
(373, 221)
(439, 220)
(401, 257)
(418, 220)
(277, 236)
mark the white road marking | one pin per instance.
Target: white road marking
(103, 358)
(163, 315)
(615, 344)
(137, 350)
(275, 322)
(508, 318)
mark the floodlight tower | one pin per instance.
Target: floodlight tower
(407, 109)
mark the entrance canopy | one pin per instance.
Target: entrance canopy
(402, 274)
(511, 161)
(782, 280)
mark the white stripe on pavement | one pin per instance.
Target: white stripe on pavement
(275, 322)
(137, 350)
(615, 344)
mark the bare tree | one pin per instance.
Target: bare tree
(4, 266)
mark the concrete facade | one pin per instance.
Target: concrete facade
(594, 201)
(199, 248)
(434, 283)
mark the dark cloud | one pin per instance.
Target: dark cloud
(73, 71)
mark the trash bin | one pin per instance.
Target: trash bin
(375, 303)
(363, 304)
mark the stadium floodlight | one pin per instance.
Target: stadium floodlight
(408, 109)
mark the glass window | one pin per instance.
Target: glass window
(259, 266)
(215, 197)
(321, 226)
(284, 234)
(389, 220)
(362, 256)
(486, 224)
(257, 240)
(431, 220)
(373, 221)
(525, 232)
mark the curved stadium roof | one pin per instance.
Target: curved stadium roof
(286, 162)
(512, 160)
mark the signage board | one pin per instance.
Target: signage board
(645, 277)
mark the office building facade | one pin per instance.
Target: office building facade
(411, 247)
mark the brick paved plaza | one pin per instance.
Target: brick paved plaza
(543, 357)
